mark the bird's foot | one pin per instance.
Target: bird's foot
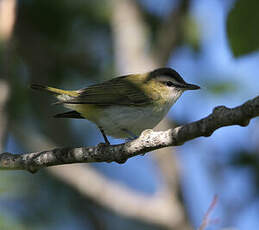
(104, 137)
(131, 137)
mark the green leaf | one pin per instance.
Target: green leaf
(243, 28)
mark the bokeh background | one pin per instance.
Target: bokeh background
(72, 44)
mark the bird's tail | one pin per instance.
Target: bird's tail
(71, 93)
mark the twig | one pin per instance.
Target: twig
(206, 220)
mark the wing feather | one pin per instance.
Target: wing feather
(123, 90)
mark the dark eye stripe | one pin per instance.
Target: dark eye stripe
(170, 84)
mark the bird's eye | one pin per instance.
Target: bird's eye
(169, 83)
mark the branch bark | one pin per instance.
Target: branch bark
(148, 141)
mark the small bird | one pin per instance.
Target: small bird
(124, 106)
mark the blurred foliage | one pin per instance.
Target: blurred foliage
(192, 33)
(55, 19)
(219, 88)
(245, 158)
(154, 22)
(58, 37)
(242, 27)
(248, 159)
(6, 223)
(41, 202)
(56, 43)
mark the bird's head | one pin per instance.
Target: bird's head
(168, 83)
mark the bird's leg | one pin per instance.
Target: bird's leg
(104, 136)
(132, 136)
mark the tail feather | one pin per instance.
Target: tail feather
(54, 90)
(69, 114)
(38, 87)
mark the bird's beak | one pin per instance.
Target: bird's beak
(191, 87)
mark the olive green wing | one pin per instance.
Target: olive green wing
(118, 91)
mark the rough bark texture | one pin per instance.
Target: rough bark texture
(149, 140)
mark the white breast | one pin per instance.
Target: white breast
(126, 121)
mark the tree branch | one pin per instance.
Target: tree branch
(149, 140)
(119, 198)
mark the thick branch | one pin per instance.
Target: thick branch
(153, 209)
(149, 140)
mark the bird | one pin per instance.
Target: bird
(124, 106)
